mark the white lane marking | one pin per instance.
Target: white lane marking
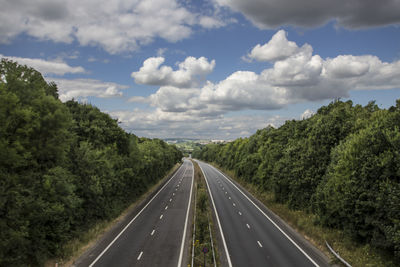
(288, 237)
(216, 215)
(259, 244)
(234, 204)
(248, 226)
(166, 207)
(170, 199)
(240, 213)
(229, 197)
(152, 232)
(140, 255)
(137, 215)
(173, 194)
(186, 221)
(161, 216)
(226, 192)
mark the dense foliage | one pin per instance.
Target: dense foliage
(63, 167)
(342, 164)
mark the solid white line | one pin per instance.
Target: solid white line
(137, 215)
(140, 255)
(259, 244)
(288, 237)
(216, 215)
(248, 226)
(180, 261)
(152, 232)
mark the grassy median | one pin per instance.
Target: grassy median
(203, 224)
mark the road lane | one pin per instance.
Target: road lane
(252, 237)
(154, 237)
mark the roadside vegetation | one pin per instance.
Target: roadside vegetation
(64, 168)
(203, 224)
(335, 176)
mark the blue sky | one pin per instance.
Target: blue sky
(217, 69)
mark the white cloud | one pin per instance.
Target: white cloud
(156, 123)
(311, 13)
(306, 114)
(190, 73)
(211, 22)
(277, 48)
(116, 26)
(83, 88)
(46, 67)
(296, 76)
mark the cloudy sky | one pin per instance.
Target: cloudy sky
(218, 69)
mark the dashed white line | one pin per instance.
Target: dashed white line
(161, 216)
(234, 204)
(173, 194)
(140, 255)
(137, 215)
(259, 244)
(280, 229)
(248, 226)
(240, 213)
(166, 207)
(226, 192)
(170, 199)
(229, 197)
(152, 232)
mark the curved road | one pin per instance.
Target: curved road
(156, 235)
(251, 234)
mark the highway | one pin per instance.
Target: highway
(251, 234)
(156, 234)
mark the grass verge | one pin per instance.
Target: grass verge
(204, 224)
(356, 254)
(75, 248)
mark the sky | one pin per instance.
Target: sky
(208, 69)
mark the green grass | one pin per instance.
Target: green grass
(203, 219)
(356, 254)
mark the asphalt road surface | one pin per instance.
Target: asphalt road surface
(251, 234)
(156, 235)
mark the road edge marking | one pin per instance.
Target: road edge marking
(280, 229)
(186, 221)
(137, 215)
(216, 215)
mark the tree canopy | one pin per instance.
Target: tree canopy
(342, 164)
(63, 167)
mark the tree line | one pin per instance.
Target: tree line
(63, 167)
(342, 164)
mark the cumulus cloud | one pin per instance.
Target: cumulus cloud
(296, 76)
(116, 26)
(83, 88)
(348, 13)
(190, 73)
(277, 48)
(306, 114)
(156, 123)
(46, 67)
